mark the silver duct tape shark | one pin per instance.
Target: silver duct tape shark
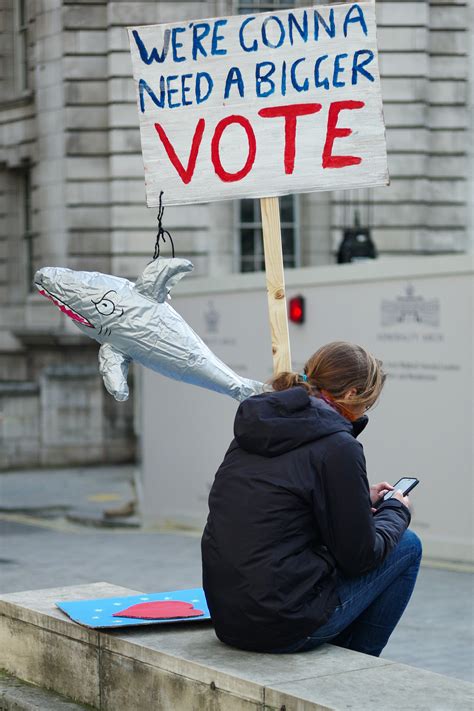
(136, 322)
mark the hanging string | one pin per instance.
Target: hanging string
(370, 208)
(161, 231)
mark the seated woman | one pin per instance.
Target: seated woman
(294, 553)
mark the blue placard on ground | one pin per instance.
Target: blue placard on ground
(98, 613)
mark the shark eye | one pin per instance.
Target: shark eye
(106, 306)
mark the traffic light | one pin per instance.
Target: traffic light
(297, 309)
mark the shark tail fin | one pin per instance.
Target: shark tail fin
(251, 387)
(160, 276)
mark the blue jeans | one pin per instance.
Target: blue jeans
(370, 605)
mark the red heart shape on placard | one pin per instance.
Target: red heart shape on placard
(160, 610)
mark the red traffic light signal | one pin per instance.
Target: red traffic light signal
(297, 309)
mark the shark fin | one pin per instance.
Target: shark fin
(113, 366)
(160, 276)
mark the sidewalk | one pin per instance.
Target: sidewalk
(41, 548)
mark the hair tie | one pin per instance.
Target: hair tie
(304, 377)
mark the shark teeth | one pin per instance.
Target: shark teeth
(66, 309)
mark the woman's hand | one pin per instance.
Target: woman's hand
(379, 490)
(404, 499)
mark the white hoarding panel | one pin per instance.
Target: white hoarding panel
(417, 323)
(260, 105)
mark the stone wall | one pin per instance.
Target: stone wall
(63, 417)
(424, 72)
(80, 133)
(19, 424)
(71, 134)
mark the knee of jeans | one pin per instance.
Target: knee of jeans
(411, 541)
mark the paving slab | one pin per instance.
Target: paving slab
(185, 666)
(52, 491)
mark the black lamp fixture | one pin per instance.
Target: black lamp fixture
(357, 244)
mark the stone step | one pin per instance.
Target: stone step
(183, 667)
(16, 695)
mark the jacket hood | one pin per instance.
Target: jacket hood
(271, 424)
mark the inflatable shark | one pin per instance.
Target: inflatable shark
(136, 322)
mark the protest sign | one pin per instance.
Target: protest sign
(266, 104)
(261, 105)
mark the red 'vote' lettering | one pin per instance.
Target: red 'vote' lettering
(215, 155)
(330, 161)
(290, 115)
(184, 173)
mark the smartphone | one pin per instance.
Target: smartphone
(405, 485)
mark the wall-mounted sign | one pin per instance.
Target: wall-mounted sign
(260, 105)
(410, 307)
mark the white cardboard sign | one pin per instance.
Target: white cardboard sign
(260, 105)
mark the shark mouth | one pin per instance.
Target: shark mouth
(64, 308)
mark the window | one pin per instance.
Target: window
(248, 6)
(250, 239)
(19, 243)
(21, 46)
(26, 223)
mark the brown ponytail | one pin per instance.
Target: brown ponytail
(286, 380)
(335, 369)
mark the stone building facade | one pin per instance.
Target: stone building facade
(72, 191)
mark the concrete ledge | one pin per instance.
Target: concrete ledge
(184, 666)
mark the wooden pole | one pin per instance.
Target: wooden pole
(275, 284)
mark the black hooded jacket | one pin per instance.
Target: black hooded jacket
(289, 509)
